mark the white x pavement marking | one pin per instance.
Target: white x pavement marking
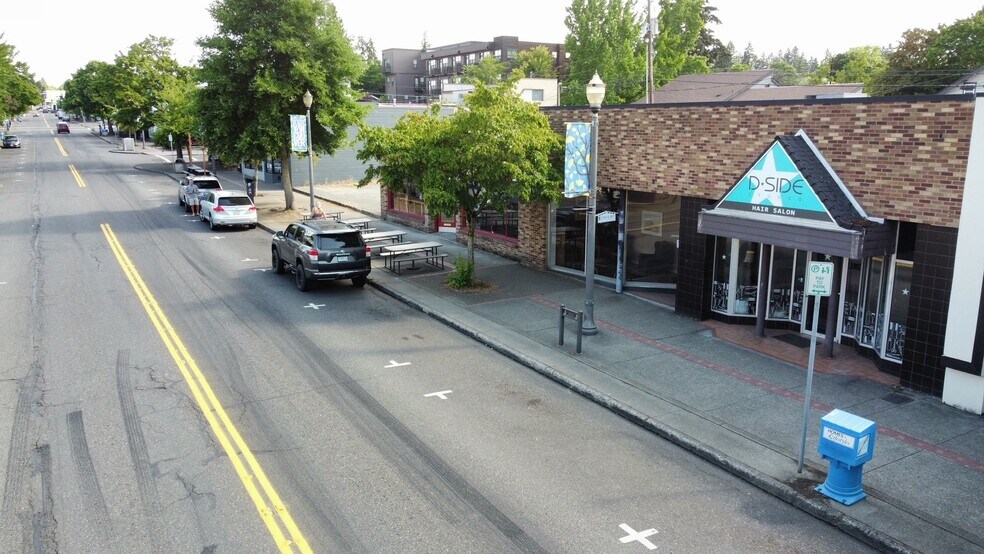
(442, 395)
(640, 536)
(315, 306)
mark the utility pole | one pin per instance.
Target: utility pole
(649, 52)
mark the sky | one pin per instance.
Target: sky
(57, 37)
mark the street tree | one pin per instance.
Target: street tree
(177, 115)
(680, 27)
(138, 77)
(536, 62)
(488, 70)
(18, 92)
(89, 91)
(496, 150)
(255, 71)
(604, 36)
(372, 80)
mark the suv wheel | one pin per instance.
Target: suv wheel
(359, 281)
(278, 264)
(181, 201)
(211, 223)
(300, 279)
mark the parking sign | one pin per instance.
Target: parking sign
(820, 278)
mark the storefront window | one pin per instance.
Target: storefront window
(748, 271)
(722, 274)
(569, 233)
(895, 338)
(850, 322)
(504, 224)
(871, 316)
(796, 307)
(652, 231)
(780, 298)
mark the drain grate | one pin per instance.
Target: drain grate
(896, 398)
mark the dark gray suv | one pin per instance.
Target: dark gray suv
(321, 250)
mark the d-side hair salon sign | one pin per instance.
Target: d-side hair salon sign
(775, 186)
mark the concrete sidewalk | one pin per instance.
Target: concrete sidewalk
(734, 404)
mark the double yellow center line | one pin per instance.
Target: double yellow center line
(78, 178)
(267, 502)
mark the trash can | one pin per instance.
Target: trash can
(179, 165)
(250, 187)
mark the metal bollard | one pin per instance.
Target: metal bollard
(576, 316)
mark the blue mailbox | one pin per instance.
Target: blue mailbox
(847, 441)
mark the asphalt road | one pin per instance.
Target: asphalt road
(161, 390)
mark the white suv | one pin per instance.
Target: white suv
(204, 182)
(227, 207)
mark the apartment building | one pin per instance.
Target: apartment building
(421, 75)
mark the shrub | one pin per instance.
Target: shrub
(463, 274)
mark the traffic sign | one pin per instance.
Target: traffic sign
(820, 278)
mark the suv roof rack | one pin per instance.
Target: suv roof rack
(197, 171)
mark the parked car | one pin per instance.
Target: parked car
(63, 128)
(204, 182)
(11, 141)
(321, 250)
(227, 207)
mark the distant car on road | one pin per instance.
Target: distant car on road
(11, 141)
(63, 128)
(321, 250)
(227, 207)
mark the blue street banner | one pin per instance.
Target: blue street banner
(577, 159)
(298, 133)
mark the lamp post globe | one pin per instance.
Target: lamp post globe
(308, 100)
(595, 91)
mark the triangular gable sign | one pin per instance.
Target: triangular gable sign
(774, 186)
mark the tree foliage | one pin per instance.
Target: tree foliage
(256, 70)
(18, 92)
(536, 62)
(487, 71)
(137, 79)
(680, 24)
(90, 91)
(604, 36)
(372, 80)
(497, 149)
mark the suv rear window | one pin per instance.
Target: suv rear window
(339, 240)
(234, 201)
(208, 183)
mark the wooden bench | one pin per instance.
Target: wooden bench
(436, 260)
(380, 236)
(390, 253)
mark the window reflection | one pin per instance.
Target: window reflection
(722, 274)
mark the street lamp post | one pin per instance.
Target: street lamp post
(595, 91)
(308, 100)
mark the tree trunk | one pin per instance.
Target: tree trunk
(471, 242)
(191, 157)
(286, 178)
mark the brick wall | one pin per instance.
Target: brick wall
(903, 158)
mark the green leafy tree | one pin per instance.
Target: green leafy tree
(372, 80)
(497, 149)
(927, 60)
(720, 57)
(604, 36)
(177, 115)
(89, 91)
(256, 70)
(138, 78)
(18, 92)
(680, 24)
(536, 62)
(487, 71)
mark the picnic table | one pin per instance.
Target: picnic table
(380, 236)
(395, 255)
(328, 215)
(358, 222)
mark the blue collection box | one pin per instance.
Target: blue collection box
(847, 441)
